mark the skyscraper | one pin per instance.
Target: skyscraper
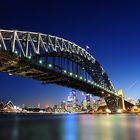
(71, 100)
(88, 100)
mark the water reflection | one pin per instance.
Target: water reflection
(15, 129)
(69, 127)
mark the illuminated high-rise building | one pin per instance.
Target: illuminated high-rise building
(71, 100)
(84, 104)
(64, 105)
(88, 99)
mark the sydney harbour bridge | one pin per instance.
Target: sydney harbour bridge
(51, 59)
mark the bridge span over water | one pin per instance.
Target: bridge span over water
(51, 59)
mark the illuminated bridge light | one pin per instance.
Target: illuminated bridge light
(65, 71)
(81, 77)
(84, 79)
(29, 57)
(40, 61)
(88, 81)
(50, 65)
(71, 73)
(16, 52)
(91, 82)
(76, 76)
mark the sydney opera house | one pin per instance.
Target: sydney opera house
(8, 107)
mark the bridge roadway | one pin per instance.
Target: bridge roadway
(14, 62)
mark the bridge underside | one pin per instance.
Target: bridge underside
(23, 67)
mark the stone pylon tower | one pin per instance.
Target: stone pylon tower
(121, 104)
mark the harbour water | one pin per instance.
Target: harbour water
(69, 127)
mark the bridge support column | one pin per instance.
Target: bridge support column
(111, 103)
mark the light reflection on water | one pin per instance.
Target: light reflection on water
(69, 127)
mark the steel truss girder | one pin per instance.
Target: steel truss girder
(92, 70)
(31, 44)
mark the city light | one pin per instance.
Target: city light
(108, 111)
(119, 110)
(102, 92)
(135, 107)
(10, 74)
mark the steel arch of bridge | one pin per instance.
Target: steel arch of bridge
(39, 47)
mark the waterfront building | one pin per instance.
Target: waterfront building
(71, 101)
(84, 104)
(88, 101)
(49, 109)
(64, 105)
(55, 108)
(99, 103)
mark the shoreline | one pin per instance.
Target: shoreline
(67, 113)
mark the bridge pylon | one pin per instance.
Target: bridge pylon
(121, 103)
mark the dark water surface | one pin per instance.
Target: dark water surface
(69, 127)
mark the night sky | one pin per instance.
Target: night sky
(111, 28)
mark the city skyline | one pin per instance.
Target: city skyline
(111, 34)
